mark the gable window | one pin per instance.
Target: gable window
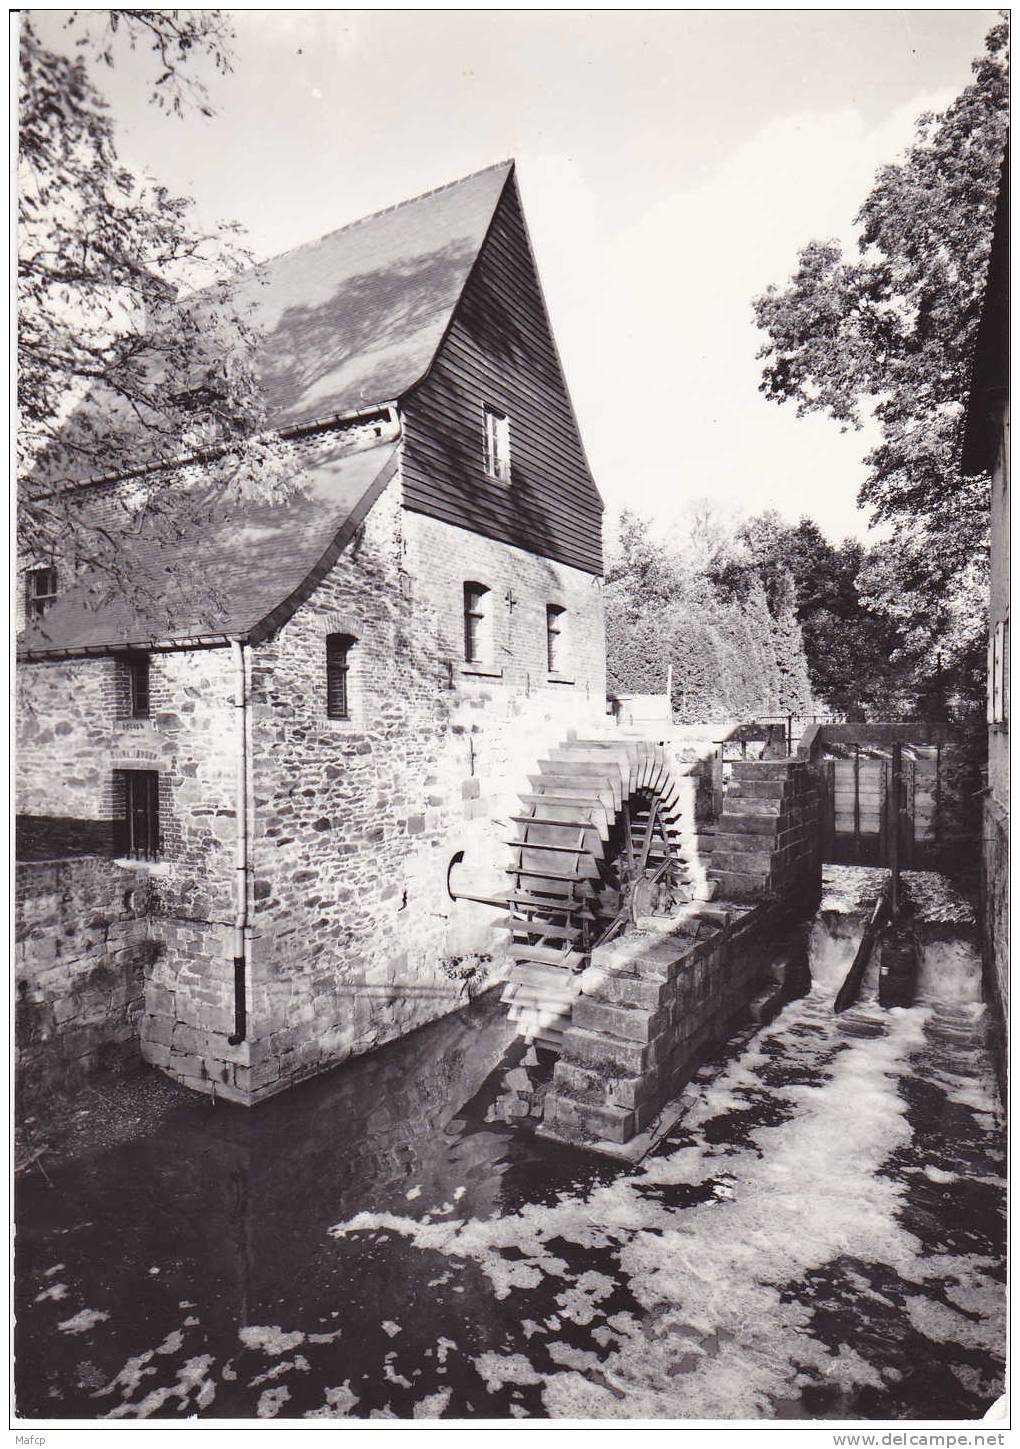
(137, 666)
(137, 796)
(338, 666)
(497, 445)
(40, 591)
(475, 622)
(555, 628)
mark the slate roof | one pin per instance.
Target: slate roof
(349, 321)
(241, 572)
(357, 317)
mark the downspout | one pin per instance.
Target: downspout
(243, 851)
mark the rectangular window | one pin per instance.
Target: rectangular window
(138, 790)
(40, 591)
(338, 656)
(138, 686)
(998, 673)
(474, 622)
(497, 445)
(554, 625)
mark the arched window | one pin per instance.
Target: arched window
(476, 622)
(338, 663)
(555, 636)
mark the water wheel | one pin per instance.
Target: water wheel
(597, 846)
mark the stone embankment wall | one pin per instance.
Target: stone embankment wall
(81, 951)
(652, 1003)
(649, 1008)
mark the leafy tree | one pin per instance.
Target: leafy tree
(733, 656)
(849, 643)
(118, 366)
(892, 330)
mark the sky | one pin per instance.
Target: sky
(671, 166)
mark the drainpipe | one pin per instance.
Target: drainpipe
(241, 722)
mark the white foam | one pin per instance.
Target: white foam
(269, 1340)
(84, 1321)
(712, 1278)
(339, 1403)
(950, 971)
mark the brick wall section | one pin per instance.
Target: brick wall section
(649, 1009)
(355, 937)
(81, 949)
(767, 840)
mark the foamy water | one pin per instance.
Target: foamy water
(821, 1235)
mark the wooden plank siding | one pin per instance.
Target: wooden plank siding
(499, 351)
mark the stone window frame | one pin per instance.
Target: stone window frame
(112, 806)
(342, 624)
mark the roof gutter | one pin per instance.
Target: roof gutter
(90, 651)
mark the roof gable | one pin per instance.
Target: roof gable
(355, 318)
(500, 352)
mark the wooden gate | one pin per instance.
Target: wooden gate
(862, 824)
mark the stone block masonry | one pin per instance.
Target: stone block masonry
(356, 938)
(81, 949)
(651, 1006)
(767, 840)
(74, 734)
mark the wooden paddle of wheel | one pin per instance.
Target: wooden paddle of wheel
(597, 848)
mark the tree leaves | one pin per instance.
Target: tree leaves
(891, 332)
(730, 634)
(122, 366)
(893, 328)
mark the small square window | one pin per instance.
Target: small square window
(40, 591)
(497, 445)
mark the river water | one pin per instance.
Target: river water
(822, 1235)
